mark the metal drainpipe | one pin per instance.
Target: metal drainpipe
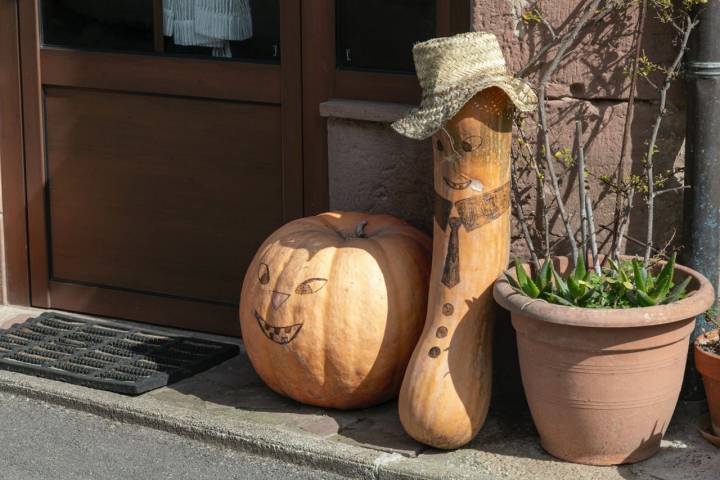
(702, 200)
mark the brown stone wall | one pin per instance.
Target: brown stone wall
(373, 169)
(592, 86)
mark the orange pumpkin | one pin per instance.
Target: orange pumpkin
(333, 305)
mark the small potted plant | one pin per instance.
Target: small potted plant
(602, 355)
(602, 344)
(707, 361)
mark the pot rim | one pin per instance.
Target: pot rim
(705, 352)
(695, 303)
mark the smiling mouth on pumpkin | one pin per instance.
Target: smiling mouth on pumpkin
(280, 335)
(461, 184)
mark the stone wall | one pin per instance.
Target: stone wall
(373, 169)
(592, 86)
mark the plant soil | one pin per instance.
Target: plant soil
(711, 346)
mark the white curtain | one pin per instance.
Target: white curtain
(208, 23)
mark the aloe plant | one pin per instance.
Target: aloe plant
(623, 284)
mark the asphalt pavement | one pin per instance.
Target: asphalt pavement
(39, 441)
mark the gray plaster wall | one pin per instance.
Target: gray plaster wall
(373, 169)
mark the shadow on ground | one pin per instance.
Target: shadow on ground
(234, 388)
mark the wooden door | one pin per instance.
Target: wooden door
(155, 170)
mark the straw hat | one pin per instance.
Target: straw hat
(451, 71)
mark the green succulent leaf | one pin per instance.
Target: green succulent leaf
(526, 283)
(580, 271)
(645, 300)
(544, 276)
(640, 274)
(664, 280)
(513, 283)
(553, 298)
(678, 292)
(576, 290)
(560, 284)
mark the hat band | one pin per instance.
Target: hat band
(461, 84)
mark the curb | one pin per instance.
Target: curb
(247, 436)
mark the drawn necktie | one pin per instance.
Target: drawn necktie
(451, 271)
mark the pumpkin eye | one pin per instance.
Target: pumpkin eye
(311, 285)
(471, 143)
(264, 274)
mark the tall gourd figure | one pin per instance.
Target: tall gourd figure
(467, 108)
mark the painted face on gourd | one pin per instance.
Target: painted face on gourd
(466, 150)
(284, 302)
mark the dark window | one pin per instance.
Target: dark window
(379, 34)
(136, 26)
(99, 25)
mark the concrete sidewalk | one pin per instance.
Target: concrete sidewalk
(230, 406)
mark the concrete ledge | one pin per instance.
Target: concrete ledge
(379, 112)
(252, 437)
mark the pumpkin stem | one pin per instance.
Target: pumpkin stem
(360, 229)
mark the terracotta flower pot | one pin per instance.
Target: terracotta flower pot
(602, 384)
(708, 364)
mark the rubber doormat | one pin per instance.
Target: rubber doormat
(105, 357)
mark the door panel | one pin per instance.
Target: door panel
(166, 75)
(153, 176)
(175, 215)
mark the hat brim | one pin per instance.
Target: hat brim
(437, 109)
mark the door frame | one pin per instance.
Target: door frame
(22, 156)
(12, 160)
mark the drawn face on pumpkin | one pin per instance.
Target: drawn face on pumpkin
(283, 334)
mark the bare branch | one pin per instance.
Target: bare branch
(593, 236)
(669, 190)
(633, 240)
(624, 222)
(689, 24)
(539, 189)
(557, 39)
(581, 188)
(630, 113)
(543, 123)
(520, 214)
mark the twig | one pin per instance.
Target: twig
(669, 190)
(631, 239)
(581, 188)
(593, 236)
(521, 215)
(557, 39)
(630, 113)
(539, 188)
(624, 221)
(689, 24)
(549, 27)
(543, 124)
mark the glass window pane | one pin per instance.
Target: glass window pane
(264, 45)
(129, 26)
(99, 25)
(379, 34)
